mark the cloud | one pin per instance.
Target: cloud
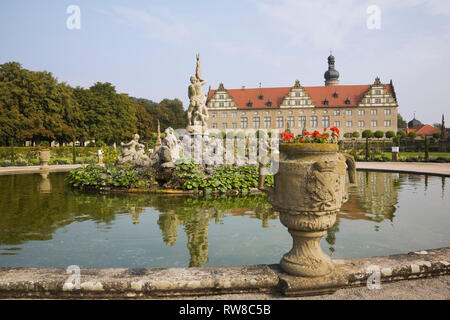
(320, 23)
(157, 24)
(252, 51)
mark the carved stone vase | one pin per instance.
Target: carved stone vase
(44, 157)
(309, 189)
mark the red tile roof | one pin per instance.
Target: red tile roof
(355, 93)
(424, 129)
(242, 96)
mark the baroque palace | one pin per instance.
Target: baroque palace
(349, 107)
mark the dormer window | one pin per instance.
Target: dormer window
(250, 103)
(269, 103)
(261, 96)
(325, 102)
(335, 95)
(347, 101)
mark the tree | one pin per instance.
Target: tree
(437, 135)
(390, 134)
(378, 134)
(425, 138)
(355, 134)
(347, 135)
(412, 135)
(367, 134)
(401, 123)
(401, 134)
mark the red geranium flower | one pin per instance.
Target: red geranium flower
(335, 130)
(306, 133)
(316, 134)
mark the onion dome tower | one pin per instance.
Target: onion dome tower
(331, 75)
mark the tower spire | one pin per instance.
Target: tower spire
(331, 75)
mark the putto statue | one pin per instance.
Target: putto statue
(133, 152)
(197, 112)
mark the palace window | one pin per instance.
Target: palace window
(374, 123)
(214, 125)
(297, 94)
(221, 104)
(361, 112)
(297, 102)
(306, 102)
(373, 112)
(368, 101)
(388, 100)
(234, 125)
(233, 114)
(267, 122)
(244, 122)
(348, 123)
(256, 122)
(290, 122)
(279, 122)
(360, 123)
(214, 115)
(302, 122)
(337, 112)
(313, 121)
(224, 125)
(387, 112)
(387, 123)
(377, 91)
(337, 124)
(325, 121)
(221, 96)
(377, 100)
(348, 112)
(224, 115)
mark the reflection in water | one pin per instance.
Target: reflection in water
(45, 186)
(35, 207)
(374, 198)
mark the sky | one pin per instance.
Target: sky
(147, 48)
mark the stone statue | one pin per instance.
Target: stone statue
(129, 150)
(133, 152)
(169, 151)
(197, 111)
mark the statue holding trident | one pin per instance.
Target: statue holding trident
(197, 111)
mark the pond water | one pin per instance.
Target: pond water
(45, 224)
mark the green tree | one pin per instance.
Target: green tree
(412, 135)
(367, 134)
(401, 123)
(378, 134)
(390, 134)
(355, 134)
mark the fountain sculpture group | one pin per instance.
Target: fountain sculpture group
(310, 184)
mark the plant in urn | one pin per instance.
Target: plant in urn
(309, 190)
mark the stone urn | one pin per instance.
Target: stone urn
(44, 157)
(309, 190)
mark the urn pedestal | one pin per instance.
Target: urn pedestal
(309, 190)
(44, 157)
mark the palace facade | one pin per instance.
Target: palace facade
(349, 107)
